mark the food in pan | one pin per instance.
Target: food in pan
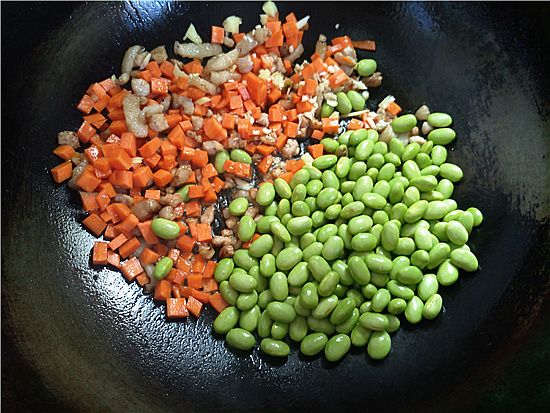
(235, 176)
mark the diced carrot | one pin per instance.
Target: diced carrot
(128, 142)
(200, 159)
(117, 242)
(95, 224)
(317, 134)
(287, 176)
(204, 232)
(291, 129)
(217, 35)
(142, 176)
(154, 68)
(147, 233)
(162, 177)
(218, 184)
(265, 164)
(176, 308)
(121, 160)
(201, 296)
(150, 147)
(194, 280)
(209, 285)
(62, 172)
(163, 290)
(142, 279)
(118, 127)
(64, 152)
(316, 150)
(161, 249)
(99, 254)
(294, 165)
(148, 256)
(194, 306)
(193, 209)
(152, 193)
(281, 141)
(128, 247)
(186, 243)
(218, 302)
(330, 125)
(196, 191)
(393, 108)
(364, 45)
(85, 132)
(113, 258)
(337, 78)
(198, 264)
(167, 69)
(209, 269)
(86, 104)
(356, 124)
(89, 202)
(131, 268)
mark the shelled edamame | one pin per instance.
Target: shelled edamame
(363, 253)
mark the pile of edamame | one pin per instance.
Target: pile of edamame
(358, 242)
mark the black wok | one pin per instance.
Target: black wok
(79, 338)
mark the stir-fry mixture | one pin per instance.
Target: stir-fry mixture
(235, 176)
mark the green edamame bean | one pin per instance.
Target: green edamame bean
(228, 293)
(360, 335)
(364, 150)
(299, 225)
(464, 259)
(432, 307)
(219, 160)
(262, 245)
(313, 344)
(330, 145)
(299, 275)
(410, 170)
(373, 200)
(416, 211)
(333, 211)
(278, 285)
(285, 218)
(366, 67)
(314, 187)
(409, 275)
(239, 155)
(403, 123)
(184, 192)
(398, 212)
(314, 173)
(399, 290)
(325, 161)
(264, 223)
(478, 216)
(275, 348)
(325, 306)
(451, 172)
(309, 296)
(364, 241)
(267, 265)
(398, 263)
(427, 147)
(411, 151)
(396, 146)
(248, 320)
(300, 209)
(330, 179)
(424, 183)
(346, 326)
(238, 206)
(247, 228)
(223, 269)
(163, 268)
(411, 195)
(342, 269)
(280, 231)
(394, 323)
(288, 258)
(343, 104)
(226, 320)
(240, 339)
(326, 110)
(342, 167)
(427, 287)
(246, 301)
(413, 311)
(328, 284)
(447, 273)
(242, 282)
(422, 238)
(326, 231)
(436, 210)
(300, 177)
(380, 300)
(438, 254)
(420, 258)
(442, 136)
(337, 347)
(405, 246)
(282, 188)
(359, 270)
(439, 155)
(389, 236)
(467, 221)
(327, 197)
(374, 321)
(318, 267)
(361, 223)
(280, 311)
(264, 325)
(357, 101)
(379, 345)
(439, 120)
(297, 328)
(164, 228)
(424, 162)
(333, 248)
(376, 160)
(279, 330)
(378, 263)
(342, 311)
(314, 249)
(457, 233)
(397, 306)
(380, 217)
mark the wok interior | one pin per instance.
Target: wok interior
(97, 343)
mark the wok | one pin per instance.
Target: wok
(80, 338)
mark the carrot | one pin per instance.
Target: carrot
(193, 209)
(201, 296)
(148, 256)
(142, 279)
(209, 269)
(114, 259)
(210, 197)
(294, 165)
(330, 125)
(291, 129)
(89, 202)
(62, 172)
(217, 35)
(209, 285)
(364, 45)
(218, 302)
(86, 104)
(131, 268)
(95, 224)
(265, 164)
(64, 152)
(393, 108)
(141, 177)
(337, 78)
(218, 184)
(356, 124)
(281, 141)
(204, 232)
(194, 306)
(128, 247)
(200, 158)
(176, 308)
(149, 148)
(196, 191)
(209, 171)
(99, 254)
(316, 150)
(317, 134)
(121, 160)
(162, 177)
(163, 290)
(117, 242)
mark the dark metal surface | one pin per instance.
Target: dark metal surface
(78, 338)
